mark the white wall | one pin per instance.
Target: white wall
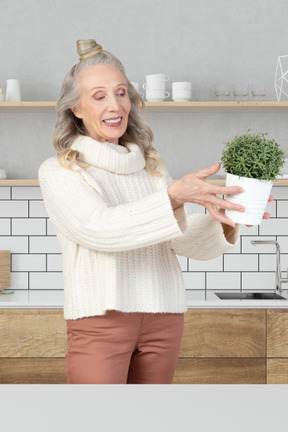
(203, 41)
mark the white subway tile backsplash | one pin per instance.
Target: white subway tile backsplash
(241, 262)
(274, 227)
(50, 228)
(19, 280)
(282, 209)
(28, 262)
(14, 209)
(247, 247)
(49, 280)
(54, 262)
(14, 244)
(271, 208)
(283, 243)
(4, 193)
(37, 209)
(26, 192)
(249, 231)
(267, 262)
(28, 226)
(25, 230)
(215, 264)
(4, 227)
(223, 281)
(194, 280)
(280, 192)
(235, 249)
(258, 281)
(44, 245)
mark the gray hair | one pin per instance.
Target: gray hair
(68, 126)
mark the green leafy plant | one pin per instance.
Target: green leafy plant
(253, 155)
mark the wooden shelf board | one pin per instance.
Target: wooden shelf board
(31, 182)
(213, 106)
(29, 106)
(165, 107)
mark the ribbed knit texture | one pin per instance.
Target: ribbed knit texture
(119, 235)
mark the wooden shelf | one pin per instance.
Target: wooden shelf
(213, 107)
(35, 182)
(162, 107)
(31, 106)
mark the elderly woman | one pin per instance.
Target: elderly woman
(121, 222)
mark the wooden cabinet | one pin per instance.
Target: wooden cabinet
(32, 346)
(219, 346)
(223, 346)
(277, 346)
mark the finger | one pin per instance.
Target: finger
(271, 198)
(206, 172)
(223, 204)
(219, 216)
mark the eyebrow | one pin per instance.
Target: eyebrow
(103, 87)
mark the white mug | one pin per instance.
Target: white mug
(181, 85)
(181, 95)
(155, 85)
(13, 90)
(181, 91)
(152, 78)
(156, 95)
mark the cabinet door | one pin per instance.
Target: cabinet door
(277, 346)
(277, 333)
(224, 333)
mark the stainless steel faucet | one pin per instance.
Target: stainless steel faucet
(279, 279)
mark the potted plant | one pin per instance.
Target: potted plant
(251, 161)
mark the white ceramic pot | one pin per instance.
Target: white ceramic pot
(254, 199)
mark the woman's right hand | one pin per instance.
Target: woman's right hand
(194, 188)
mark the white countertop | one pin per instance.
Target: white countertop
(49, 299)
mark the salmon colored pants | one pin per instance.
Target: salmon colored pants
(123, 348)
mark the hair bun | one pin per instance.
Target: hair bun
(87, 48)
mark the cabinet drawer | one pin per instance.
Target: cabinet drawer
(32, 371)
(220, 371)
(224, 333)
(277, 371)
(32, 333)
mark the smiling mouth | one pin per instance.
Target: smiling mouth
(114, 121)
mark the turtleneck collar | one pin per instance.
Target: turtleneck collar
(111, 157)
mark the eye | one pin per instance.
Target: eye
(99, 96)
(122, 92)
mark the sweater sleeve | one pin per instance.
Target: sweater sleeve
(78, 211)
(204, 238)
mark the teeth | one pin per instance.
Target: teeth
(113, 120)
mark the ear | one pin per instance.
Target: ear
(76, 111)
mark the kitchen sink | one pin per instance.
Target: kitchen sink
(249, 296)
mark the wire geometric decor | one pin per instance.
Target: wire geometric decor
(281, 77)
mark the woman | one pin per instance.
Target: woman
(120, 221)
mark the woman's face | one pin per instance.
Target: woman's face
(104, 102)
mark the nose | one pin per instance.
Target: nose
(112, 103)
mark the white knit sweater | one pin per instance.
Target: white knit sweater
(119, 235)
